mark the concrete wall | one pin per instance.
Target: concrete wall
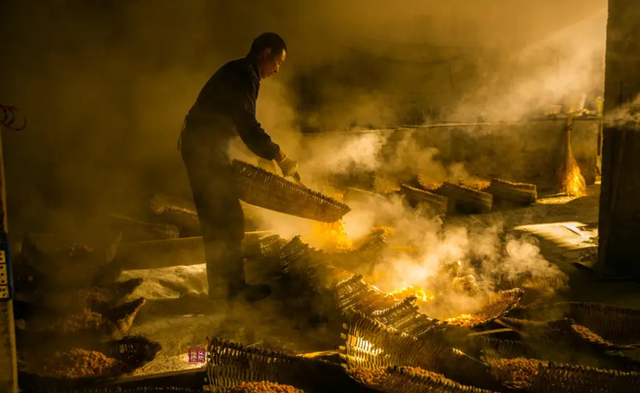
(522, 152)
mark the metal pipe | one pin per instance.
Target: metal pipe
(446, 125)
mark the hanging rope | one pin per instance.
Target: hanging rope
(9, 118)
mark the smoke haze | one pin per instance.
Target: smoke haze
(106, 84)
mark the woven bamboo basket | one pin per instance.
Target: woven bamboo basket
(427, 183)
(617, 326)
(493, 307)
(537, 376)
(554, 349)
(231, 364)
(369, 344)
(494, 348)
(356, 295)
(264, 189)
(187, 221)
(310, 267)
(560, 378)
(435, 203)
(365, 256)
(405, 318)
(176, 212)
(266, 248)
(519, 193)
(410, 380)
(467, 200)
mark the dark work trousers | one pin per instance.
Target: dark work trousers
(221, 218)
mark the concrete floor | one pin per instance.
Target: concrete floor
(178, 316)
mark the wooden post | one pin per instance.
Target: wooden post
(8, 363)
(619, 227)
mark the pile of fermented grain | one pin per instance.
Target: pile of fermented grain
(94, 295)
(422, 295)
(517, 373)
(478, 185)
(587, 334)
(369, 377)
(263, 387)
(374, 377)
(77, 363)
(463, 320)
(332, 237)
(81, 298)
(87, 319)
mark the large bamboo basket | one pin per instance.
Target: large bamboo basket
(264, 189)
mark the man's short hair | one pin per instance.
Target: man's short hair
(268, 40)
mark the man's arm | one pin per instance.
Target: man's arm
(250, 131)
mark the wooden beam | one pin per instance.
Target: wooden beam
(619, 228)
(172, 252)
(8, 358)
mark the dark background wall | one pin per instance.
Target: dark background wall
(105, 84)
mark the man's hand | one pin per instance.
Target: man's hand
(288, 166)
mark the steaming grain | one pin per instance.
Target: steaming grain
(369, 377)
(263, 387)
(77, 363)
(587, 334)
(87, 319)
(518, 373)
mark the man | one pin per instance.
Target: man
(225, 109)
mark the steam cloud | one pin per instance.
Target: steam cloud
(120, 76)
(106, 85)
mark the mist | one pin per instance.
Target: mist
(105, 85)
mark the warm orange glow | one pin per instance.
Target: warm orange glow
(403, 249)
(465, 283)
(333, 236)
(405, 292)
(461, 320)
(573, 183)
(387, 231)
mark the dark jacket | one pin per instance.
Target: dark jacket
(226, 108)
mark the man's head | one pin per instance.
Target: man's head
(269, 51)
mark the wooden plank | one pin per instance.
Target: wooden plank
(619, 208)
(8, 355)
(171, 252)
(619, 244)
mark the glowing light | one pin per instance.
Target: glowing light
(573, 184)
(405, 292)
(461, 320)
(333, 236)
(365, 347)
(465, 283)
